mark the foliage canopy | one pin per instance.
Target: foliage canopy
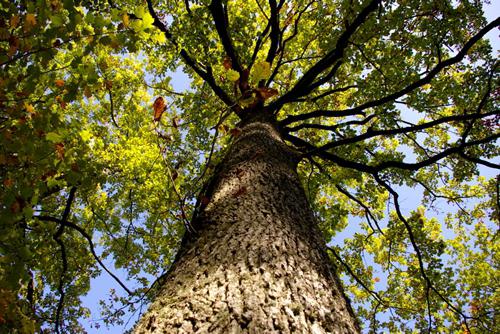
(101, 158)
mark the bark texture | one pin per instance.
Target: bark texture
(257, 263)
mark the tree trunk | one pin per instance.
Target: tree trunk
(257, 262)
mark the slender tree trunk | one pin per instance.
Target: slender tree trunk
(257, 262)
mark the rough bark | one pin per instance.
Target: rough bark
(257, 262)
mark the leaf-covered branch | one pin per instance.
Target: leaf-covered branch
(57, 238)
(206, 75)
(220, 16)
(396, 131)
(391, 97)
(304, 84)
(372, 169)
(91, 246)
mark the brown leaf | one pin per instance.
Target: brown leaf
(15, 207)
(175, 122)
(8, 183)
(60, 150)
(87, 92)
(108, 84)
(264, 92)
(235, 132)
(59, 82)
(14, 41)
(62, 103)
(227, 63)
(158, 107)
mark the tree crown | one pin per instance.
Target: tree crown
(101, 158)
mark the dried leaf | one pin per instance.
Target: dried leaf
(264, 92)
(235, 132)
(87, 92)
(29, 22)
(14, 21)
(8, 183)
(175, 122)
(108, 84)
(62, 103)
(227, 63)
(158, 107)
(60, 150)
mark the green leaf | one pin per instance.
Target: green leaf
(53, 137)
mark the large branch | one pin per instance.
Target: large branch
(219, 15)
(274, 21)
(302, 87)
(409, 129)
(57, 238)
(418, 252)
(373, 169)
(329, 127)
(205, 75)
(91, 245)
(281, 50)
(391, 97)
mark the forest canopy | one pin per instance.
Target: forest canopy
(102, 161)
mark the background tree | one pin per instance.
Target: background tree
(375, 95)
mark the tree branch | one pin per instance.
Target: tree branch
(386, 164)
(57, 238)
(365, 207)
(281, 49)
(355, 277)
(219, 15)
(418, 253)
(392, 132)
(207, 76)
(302, 87)
(274, 22)
(324, 94)
(328, 127)
(91, 246)
(391, 97)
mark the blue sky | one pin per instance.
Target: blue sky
(101, 286)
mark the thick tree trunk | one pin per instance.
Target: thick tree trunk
(257, 262)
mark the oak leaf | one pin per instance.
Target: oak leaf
(264, 92)
(261, 71)
(175, 122)
(227, 63)
(60, 150)
(14, 21)
(158, 108)
(235, 132)
(29, 22)
(232, 75)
